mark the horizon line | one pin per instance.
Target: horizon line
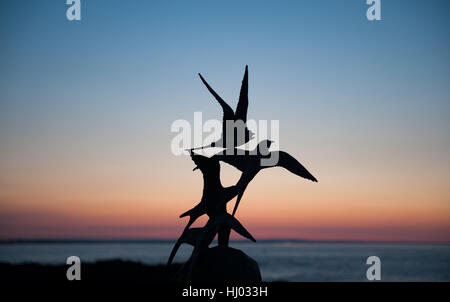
(172, 240)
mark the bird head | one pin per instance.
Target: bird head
(264, 146)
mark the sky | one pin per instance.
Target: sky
(86, 109)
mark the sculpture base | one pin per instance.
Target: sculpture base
(222, 264)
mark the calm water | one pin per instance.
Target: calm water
(277, 261)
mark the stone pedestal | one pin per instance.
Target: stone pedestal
(222, 264)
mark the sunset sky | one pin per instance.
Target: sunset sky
(86, 109)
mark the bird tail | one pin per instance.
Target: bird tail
(239, 228)
(234, 224)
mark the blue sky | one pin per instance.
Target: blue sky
(308, 54)
(319, 65)
(346, 91)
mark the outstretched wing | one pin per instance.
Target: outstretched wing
(174, 250)
(228, 113)
(194, 213)
(241, 109)
(190, 236)
(288, 162)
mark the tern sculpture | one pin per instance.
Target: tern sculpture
(215, 196)
(238, 118)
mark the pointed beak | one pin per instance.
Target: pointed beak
(196, 167)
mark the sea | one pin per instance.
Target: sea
(278, 261)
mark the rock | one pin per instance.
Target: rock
(225, 264)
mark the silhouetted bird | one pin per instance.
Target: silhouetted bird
(228, 114)
(250, 164)
(215, 196)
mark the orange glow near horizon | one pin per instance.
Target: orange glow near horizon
(275, 205)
